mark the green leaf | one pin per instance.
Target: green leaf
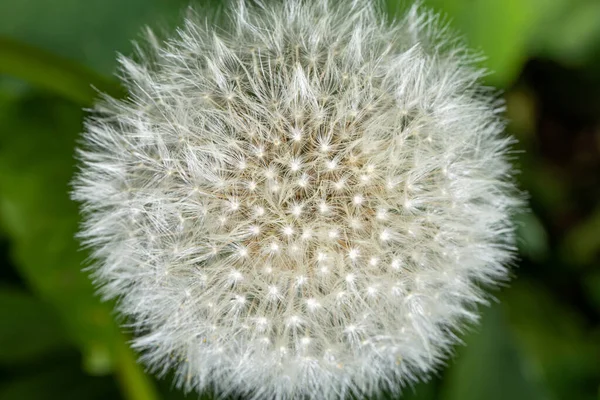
(581, 245)
(37, 138)
(501, 29)
(570, 32)
(58, 378)
(533, 239)
(592, 287)
(494, 26)
(90, 31)
(490, 366)
(54, 73)
(421, 391)
(556, 339)
(29, 329)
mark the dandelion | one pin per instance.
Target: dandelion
(302, 203)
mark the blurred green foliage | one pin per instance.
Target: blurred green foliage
(540, 341)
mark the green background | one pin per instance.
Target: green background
(541, 340)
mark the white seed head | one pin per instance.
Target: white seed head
(301, 204)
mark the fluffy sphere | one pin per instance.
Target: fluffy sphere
(301, 203)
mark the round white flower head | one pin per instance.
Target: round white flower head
(302, 203)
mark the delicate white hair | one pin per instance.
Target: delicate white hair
(302, 203)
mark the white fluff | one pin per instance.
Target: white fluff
(300, 204)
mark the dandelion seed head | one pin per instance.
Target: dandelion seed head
(303, 203)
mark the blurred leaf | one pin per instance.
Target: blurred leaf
(545, 183)
(533, 239)
(581, 245)
(414, 391)
(54, 73)
(502, 29)
(497, 27)
(57, 379)
(90, 31)
(522, 113)
(37, 138)
(490, 366)
(592, 286)
(421, 391)
(570, 31)
(29, 327)
(556, 339)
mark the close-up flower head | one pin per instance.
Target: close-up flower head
(303, 204)
(299, 200)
